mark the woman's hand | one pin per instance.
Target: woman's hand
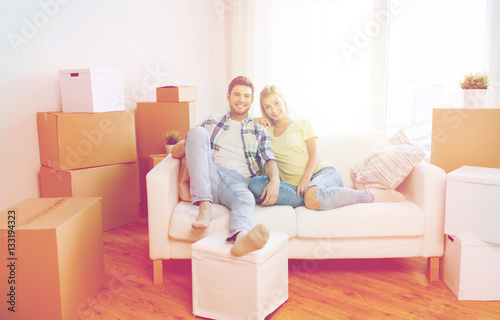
(263, 121)
(270, 194)
(301, 188)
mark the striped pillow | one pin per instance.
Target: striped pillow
(184, 185)
(389, 165)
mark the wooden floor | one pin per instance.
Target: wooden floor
(318, 289)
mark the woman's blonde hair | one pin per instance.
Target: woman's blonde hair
(267, 91)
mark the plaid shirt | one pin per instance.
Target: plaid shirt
(256, 140)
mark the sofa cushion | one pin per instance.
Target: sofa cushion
(277, 218)
(389, 165)
(383, 219)
(344, 150)
(185, 214)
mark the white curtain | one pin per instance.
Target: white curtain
(240, 28)
(492, 52)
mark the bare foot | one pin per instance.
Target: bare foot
(252, 240)
(386, 195)
(310, 198)
(204, 216)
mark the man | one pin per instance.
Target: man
(222, 154)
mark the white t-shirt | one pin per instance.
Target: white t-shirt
(231, 153)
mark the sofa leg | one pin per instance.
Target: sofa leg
(158, 271)
(433, 268)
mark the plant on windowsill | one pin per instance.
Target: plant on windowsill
(475, 86)
(171, 138)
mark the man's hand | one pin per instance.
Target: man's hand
(270, 193)
(263, 121)
(179, 150)
(272, 190)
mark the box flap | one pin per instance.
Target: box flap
(27, 210)
(476, 175)
(46, 213)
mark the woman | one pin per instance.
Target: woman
(305, 179)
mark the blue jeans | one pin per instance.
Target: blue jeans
(216, 184)
(331, 193)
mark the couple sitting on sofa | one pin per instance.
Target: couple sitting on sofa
(226, 156)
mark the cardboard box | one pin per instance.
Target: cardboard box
(470, 268)
(83, 140)
(176, 94)
(156, 118)
(54, 264)
(91, 90)
(154, 159)
(473, 203)
(117, 185)
(465, 137)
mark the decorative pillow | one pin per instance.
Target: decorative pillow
(184, 185)
(389, 165)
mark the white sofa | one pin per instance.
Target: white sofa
(413, 228)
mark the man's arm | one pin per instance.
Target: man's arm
(271, 191)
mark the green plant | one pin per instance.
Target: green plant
(172, 137)
(475, 81)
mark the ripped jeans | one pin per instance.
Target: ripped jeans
(331, 193)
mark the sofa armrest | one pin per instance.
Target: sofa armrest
(426, 186)
(162, 192)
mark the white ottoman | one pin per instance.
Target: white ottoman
(247, 287)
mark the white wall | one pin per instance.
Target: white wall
(154, 43)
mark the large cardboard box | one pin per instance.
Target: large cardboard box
(176, 94)
(117, 185)
(91, 90)
(156, 118)
(52, 258)
(465, 137)
(470, 268)
(82, 140)
(473, 203)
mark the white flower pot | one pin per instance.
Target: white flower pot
(169, 147)
(474, 98)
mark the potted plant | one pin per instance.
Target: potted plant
(474, 86)
(171, 138)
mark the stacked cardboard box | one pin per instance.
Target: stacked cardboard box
(472, 244)
(465, 137)
(173, 110)
(91, 151)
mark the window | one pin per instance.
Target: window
(432, 45)
(369, 65)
